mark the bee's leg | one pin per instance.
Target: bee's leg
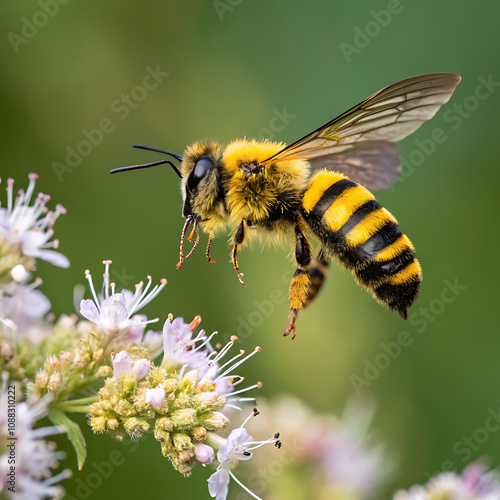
(210, 238)
(317, 274)
(298, 292)
(189, 221)
(239, 237)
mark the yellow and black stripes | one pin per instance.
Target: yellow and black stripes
(317, 274)
(364, 237)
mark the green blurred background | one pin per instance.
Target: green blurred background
(277, 70)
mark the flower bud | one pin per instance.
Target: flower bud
(181, 441)
(183, 418)
(204, 454)
(121, 363)
(141, 369)
(215, 421)
(155, 397)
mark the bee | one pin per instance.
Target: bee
(263, 188)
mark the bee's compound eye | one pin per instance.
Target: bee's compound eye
(203, 166)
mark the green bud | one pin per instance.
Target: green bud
(181, 441)
(214, 421)
(184, 418)
(165, 424)
(208, 401)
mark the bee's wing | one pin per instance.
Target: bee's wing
(386, 117)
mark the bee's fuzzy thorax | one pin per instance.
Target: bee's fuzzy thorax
(267, 196)
(249, 151)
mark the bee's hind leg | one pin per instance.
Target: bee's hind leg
(298, 292)
(305, 286)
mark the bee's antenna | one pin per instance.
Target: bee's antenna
(149, 148)
(146, 165)
(153, 164)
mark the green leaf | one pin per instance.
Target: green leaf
(74, 432)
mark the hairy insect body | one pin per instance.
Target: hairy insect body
(262, 188)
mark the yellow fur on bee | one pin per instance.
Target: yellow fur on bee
(253, 151)
(318, 185)
(409, 273)
(369, 226)
(299, 291)
(388, 253)
(344, 206)
(251, 196)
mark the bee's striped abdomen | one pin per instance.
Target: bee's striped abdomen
(364, 237)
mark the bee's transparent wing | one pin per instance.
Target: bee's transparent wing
(386, 117)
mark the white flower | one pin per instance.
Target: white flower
(123, 364)
(34, 457)
(346, 456)
(31, 226)
(22, 307)
(114, 312)
(179, 346)
(155, 397)
(181, 349)
(475, 483)
(223, 374)
(140, 368)
(238, 446)
(19, 274)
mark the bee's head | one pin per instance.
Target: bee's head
(201, 180)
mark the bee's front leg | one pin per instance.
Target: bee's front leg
(298, 292)
(239, 237)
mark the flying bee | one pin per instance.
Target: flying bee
(262, 188)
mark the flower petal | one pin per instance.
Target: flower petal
(218, 484)
(155, 397)
(89, 310)
(121, 363)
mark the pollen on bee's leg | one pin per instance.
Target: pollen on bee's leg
(298, 292)
(297, 295)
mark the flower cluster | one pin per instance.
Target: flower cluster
(26, 229)
(181, 405)
(111, 351)
(475, 483)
